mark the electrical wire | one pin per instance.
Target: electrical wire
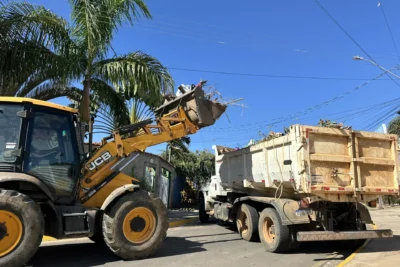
(294, 115)
(351, 38)
(390, 31)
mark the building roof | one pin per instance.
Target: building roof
(38, 103)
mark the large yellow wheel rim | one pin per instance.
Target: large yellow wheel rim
(139, 225)
(10, 232)
(268, 230)
(242, 223)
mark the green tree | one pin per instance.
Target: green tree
(196, 166)
(394, 125)
(41, 55)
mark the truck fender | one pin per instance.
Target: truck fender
(118, 192)
(365, 216)
(26, 178)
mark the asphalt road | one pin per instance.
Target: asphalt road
(195, 245)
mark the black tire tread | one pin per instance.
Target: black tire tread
(203, 216)
(120, 246)
(283, 242)
(33, 226)
(252, 214)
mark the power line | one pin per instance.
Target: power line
(246, 74)
(306, 111)
(351, 38)
(270, 75)
(390, 31)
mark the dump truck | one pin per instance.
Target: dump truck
(50, 186)
(310, 184)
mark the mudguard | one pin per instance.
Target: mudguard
(23, 177)
(288, 209)
(116, 193)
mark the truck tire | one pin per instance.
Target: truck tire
(21, 228)
(135, 226)
(247, 222)
(203, 216)
(274, 236)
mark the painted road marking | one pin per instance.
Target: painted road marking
(349, 258)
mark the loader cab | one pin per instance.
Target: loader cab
(43, 140)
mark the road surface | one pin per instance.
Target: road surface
(208, 245)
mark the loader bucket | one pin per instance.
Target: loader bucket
(200, 110)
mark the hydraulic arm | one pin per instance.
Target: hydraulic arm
(176, 118)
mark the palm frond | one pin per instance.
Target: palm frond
(138, 75)
(32, 39)
(96, 21)
(51, 90)
(139, 111)
(112, 99)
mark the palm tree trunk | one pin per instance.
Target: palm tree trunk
(85, 109)
(85, 105)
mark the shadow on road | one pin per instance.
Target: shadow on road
(383, 245)
(90, 254)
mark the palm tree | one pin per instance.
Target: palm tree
(41, 55)
(394, 125)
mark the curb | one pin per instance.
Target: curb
(182, 222)
(172, 224)
(349, 258)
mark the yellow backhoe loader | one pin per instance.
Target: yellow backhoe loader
(50, 186)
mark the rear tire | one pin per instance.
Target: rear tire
(247, 222)
(136, 226)
(203, 216)
(21, 229)
(274, 236)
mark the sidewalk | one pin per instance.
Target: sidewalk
(381, 252)
(175, 215)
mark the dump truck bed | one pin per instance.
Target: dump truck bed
(333, 164)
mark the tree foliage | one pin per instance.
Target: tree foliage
(394, 125)
(195, 166)
(41, 53)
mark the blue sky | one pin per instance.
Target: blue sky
(284, 38)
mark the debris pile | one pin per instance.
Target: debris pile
(333, 124)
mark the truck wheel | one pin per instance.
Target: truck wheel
(203, 216)
(247, 222)
(21, 228)
(136, 226)
(274, 236)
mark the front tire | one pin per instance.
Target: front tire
(21, 228)
(203, 216)
(136, 226)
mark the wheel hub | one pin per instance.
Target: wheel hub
(268, 230)
(3, 230)
(139, 225)
(10, 232)
(242, 222)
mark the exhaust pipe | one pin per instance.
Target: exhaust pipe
(201, 111)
